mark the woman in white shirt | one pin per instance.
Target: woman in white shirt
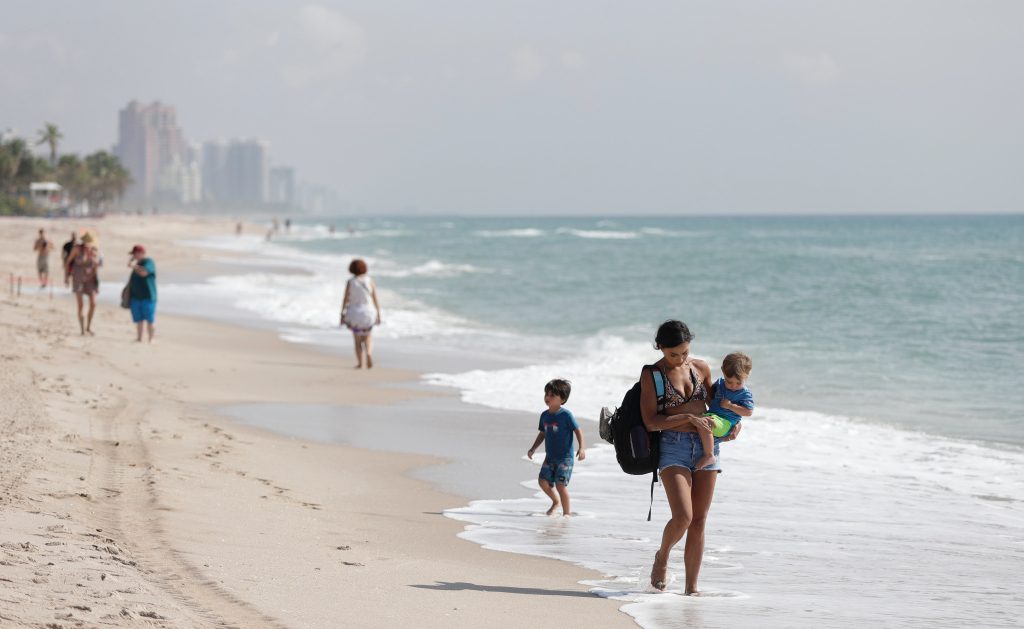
(360, 311)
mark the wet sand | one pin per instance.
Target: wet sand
(127, 498)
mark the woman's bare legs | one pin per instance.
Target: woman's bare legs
(92, 310)
(677, 484)
(702, 492)
(359, 350)
(81, 319)
(368, 343)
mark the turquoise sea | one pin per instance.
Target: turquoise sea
(912, 321)
(880, 481)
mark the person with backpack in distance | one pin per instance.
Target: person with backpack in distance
(676, 411)
(556, 429)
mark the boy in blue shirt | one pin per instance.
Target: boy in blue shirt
(731, 401)
(557, 426)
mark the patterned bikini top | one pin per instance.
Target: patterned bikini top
(674, 398)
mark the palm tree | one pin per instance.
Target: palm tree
(72, 175)
(107, 178)
(12, 154)
(51, 136)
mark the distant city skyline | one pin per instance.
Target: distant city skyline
(168, 169)
(575, 108)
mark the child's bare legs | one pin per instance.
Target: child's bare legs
(550, 493)
(707, 442)
(563, 493)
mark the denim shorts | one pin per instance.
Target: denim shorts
(556, 470)
(683, 449)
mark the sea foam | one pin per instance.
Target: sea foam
(817, 521)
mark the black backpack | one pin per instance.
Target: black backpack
(636, 448)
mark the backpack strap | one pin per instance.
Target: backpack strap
(659, 382)
(659, 389)
(650, 508)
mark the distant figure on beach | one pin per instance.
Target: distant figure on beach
(360, 311)
(82, 267)
(43, 247)
(142, 292)
(556, 429)
(238, 229)
(68, 246)
(288, 225)
(677, 416)
(66, 252)
(330, 229)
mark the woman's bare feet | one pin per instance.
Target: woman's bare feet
(659, 572)
(706, 460)
(369, 362)
(551, 511)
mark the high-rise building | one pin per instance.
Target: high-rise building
(246, 171)
(215, 161)
(180, 183)
(282, 185)
(149, 142)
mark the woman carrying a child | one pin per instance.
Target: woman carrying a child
(689, 483)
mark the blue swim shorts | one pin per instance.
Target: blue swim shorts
(683, 449)
(143, 310)
(556, 470)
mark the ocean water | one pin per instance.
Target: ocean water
(880, 481)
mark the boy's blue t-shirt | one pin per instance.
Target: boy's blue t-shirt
(558, 431)
(740, 397)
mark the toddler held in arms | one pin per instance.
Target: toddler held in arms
(557, 427)
(731, 401)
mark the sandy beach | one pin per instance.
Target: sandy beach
(127, 498)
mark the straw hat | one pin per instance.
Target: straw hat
(89, 240)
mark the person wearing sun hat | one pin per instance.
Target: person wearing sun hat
(142, 291)
(82, 269)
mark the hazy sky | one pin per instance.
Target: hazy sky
(575, 106)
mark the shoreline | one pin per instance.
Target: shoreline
(182, 516)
